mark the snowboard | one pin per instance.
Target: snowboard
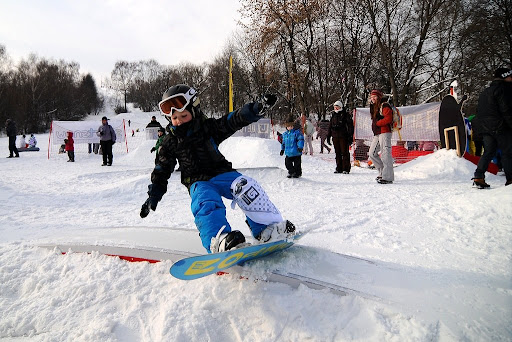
(202, 265)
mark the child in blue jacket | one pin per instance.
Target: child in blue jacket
(292, 145)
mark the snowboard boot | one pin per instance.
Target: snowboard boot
(227, 241)
(276, 231)
(480, 183)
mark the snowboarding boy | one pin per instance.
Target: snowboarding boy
(193, 141)
(292, 145)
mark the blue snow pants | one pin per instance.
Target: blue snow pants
(210, 212)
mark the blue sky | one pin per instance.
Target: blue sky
(97, 33)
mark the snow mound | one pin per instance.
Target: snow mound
(443, 165)
(141, 155)
(242, 152)
(252, 152)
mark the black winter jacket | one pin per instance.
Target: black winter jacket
(11, 129)
(197, 148)
(494, 111)
(341, 125)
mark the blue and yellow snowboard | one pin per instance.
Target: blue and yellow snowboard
(203, 265)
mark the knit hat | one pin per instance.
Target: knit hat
(104, 118)
(289, 121)
(338, 104)
(377, 92)
(502, 73)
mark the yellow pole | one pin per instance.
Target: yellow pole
(230, 84)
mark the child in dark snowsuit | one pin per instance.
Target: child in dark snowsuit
(161, 136)
(193, 141)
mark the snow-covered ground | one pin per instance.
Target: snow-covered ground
(436, 252)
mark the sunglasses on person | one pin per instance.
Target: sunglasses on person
(176, 102)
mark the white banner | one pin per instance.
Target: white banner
(420, 122)
(84, 131)
(260, 129)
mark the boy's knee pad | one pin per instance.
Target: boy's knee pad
(254, 201)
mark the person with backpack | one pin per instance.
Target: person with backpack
(309, 130)
(341, 129)
(382, 118)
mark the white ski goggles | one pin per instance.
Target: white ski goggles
(176, 102)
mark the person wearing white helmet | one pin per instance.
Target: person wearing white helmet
(193, 142)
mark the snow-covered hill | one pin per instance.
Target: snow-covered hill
(437, 252)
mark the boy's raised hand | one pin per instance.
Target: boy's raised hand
(267, 101)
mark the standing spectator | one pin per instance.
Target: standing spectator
(322, 130)
(22, 143)
(292, 145)
(154, 123)
(10, 128)
(309, 130)
(341, 129)
(382, 117)
(129, 123)
(70, 147)
(32, 142)
(494, 121)
(107, 138)
(161, 136)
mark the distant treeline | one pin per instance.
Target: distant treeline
(309, 52)
(38, 91)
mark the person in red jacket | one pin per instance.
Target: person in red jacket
(382, 117)
(70, 147)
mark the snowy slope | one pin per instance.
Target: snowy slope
(437, 252)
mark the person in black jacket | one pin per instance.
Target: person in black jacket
(10, 128)
(193, 141)
(341, 129)
(154, 123)
(494, 122)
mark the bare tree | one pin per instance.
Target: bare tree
(122, 77)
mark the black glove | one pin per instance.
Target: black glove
(101, 133)
(299, 149)
(267, 101)
(281, 153)
(155, 193)
(149, 204)
(153, 150)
